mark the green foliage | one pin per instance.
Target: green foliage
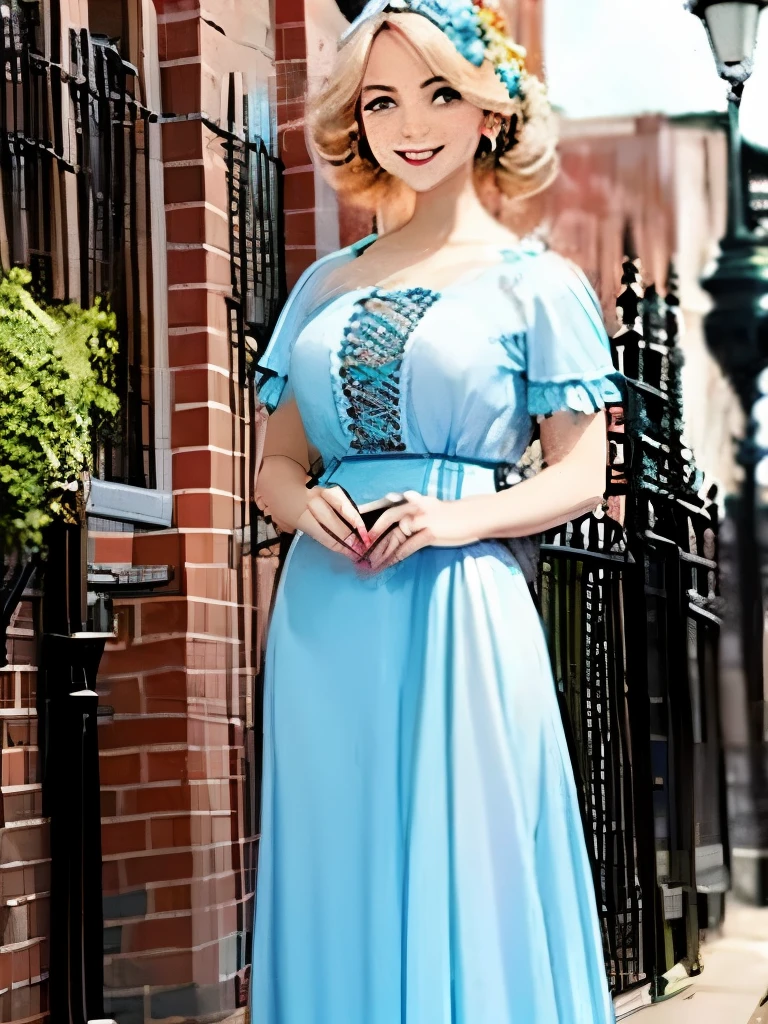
(56, 389)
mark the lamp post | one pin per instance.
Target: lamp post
(737, 336)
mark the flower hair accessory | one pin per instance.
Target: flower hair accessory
(475, 27)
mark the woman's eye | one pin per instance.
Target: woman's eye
(446, 94)
(374, 104)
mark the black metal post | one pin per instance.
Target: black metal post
(71, 800)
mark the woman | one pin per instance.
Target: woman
(422, 858)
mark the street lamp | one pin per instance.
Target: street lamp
(732, 32)
(736, 332)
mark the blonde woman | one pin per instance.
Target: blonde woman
(422, 858)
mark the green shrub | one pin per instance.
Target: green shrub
(56, 390)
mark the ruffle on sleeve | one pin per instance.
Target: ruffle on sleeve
(587, 396)
(568, 354)
(269, 389)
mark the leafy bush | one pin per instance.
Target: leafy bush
(56, 389)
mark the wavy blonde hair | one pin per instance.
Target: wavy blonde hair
(525, 160)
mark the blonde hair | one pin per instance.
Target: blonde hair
(525, 160)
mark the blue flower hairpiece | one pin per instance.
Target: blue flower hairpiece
(476, 29)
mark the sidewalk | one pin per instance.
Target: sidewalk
(734, 979)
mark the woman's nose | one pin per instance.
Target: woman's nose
(415, 130)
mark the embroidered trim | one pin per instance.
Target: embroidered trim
(588, 396)
(370, 358)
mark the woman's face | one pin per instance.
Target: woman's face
(418, 127)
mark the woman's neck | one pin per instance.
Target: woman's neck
(448, 214)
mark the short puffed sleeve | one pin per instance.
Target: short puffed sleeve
(273, 386)
(569, 364)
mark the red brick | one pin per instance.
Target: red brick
(179, 39)
(294, 44)
(296, 262)
(158, 868)
(124, 695)
(192, 427)
(200, 386)
(197, 307)
(203, 469)
(299, 190)
(158, 933)
(172, 897)
(122, 837)
(200, 510)
(155, 799)
(184, 184)
(197, 224)
(119, 769)
(166, 693)
(141, 732)
(147, 656)
(299, 228)
(157, 548)
(198, 347)
(290, 112)
(293, 148)
(203, 548)
(164, 765)
(186, 225)
(194, 266)
(182, 140)
(289, 10)
(108, 803)
(115, 548)
(168, 832)
(181, 85)
(160, 616)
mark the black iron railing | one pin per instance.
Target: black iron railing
(74, 164)
(631, 605)
(257, 261)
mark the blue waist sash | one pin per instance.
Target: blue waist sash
(448, 477)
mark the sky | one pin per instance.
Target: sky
(615, 57)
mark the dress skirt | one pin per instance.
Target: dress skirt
(422, 857)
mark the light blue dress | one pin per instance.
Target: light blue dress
(422, 859)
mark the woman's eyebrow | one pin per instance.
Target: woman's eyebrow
(391, 88)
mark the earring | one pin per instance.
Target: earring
(490, 122)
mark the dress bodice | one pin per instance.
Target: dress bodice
(463, 371)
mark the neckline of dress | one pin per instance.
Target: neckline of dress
(526, 244)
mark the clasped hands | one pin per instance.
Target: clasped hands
(411, 522)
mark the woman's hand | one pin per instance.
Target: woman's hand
(423, 521)
(332, 520)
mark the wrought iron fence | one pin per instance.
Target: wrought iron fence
(255, 198)
(74, 180)
(631, 604)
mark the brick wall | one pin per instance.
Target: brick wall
(299, 180)
(177, 750)
(24, 853)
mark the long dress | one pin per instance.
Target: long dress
(422, 857)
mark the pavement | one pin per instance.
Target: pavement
(733, 981)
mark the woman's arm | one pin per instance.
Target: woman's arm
(574, 449)
(324, 513)
(281, 481)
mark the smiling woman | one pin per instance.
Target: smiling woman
(354, 148)
(422, 859)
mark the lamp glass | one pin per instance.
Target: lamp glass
(733, 30)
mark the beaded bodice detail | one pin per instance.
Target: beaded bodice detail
(371, 358)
